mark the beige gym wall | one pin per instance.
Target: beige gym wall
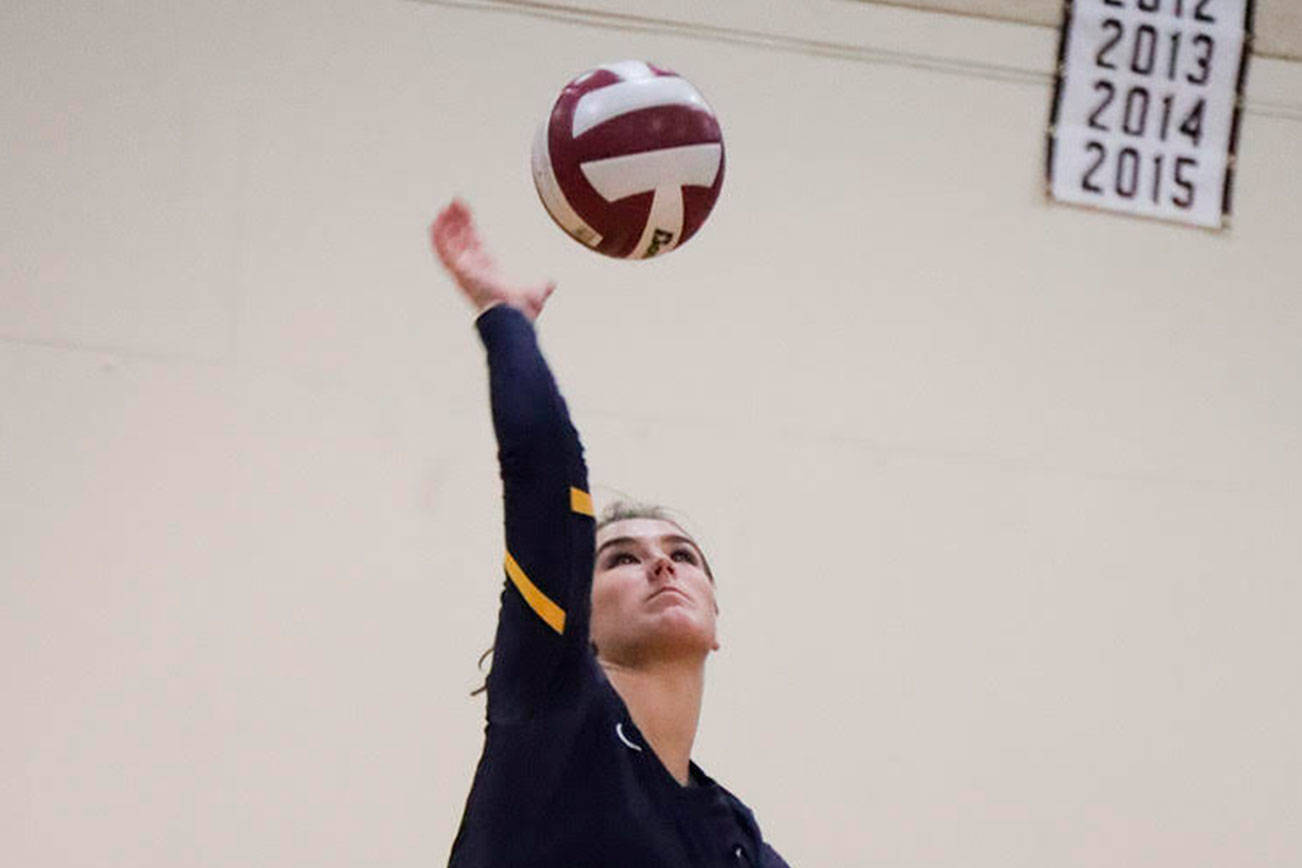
(1003, 496)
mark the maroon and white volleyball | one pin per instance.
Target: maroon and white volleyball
(630, 161)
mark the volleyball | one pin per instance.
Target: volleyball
(630, 160)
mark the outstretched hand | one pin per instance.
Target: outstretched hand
(458, 245)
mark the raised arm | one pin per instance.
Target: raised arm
(543, 622)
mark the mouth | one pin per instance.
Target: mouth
(675, 591)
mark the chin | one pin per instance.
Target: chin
(682, 635)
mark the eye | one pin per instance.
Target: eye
(685, 555)
(620, 559)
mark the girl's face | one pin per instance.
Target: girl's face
(651, 596)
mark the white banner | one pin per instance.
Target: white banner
(1145, 109)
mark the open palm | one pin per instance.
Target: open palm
(458, 245)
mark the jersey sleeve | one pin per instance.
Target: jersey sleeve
(542, 625)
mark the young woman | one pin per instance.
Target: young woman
(599, 662)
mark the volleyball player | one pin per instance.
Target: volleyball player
(598, 670)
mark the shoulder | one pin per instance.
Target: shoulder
(769, 858)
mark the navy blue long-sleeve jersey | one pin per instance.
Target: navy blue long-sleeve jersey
(566, 780)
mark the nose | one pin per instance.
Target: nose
(662, 568)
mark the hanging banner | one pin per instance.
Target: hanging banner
(1146, 106)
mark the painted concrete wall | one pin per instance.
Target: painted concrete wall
(1003, 496)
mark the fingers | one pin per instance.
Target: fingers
(457, 242)
(440, 233)
(453, 233)
(534, 299)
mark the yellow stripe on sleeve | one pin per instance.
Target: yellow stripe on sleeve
(553, 614)
(581, 502)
